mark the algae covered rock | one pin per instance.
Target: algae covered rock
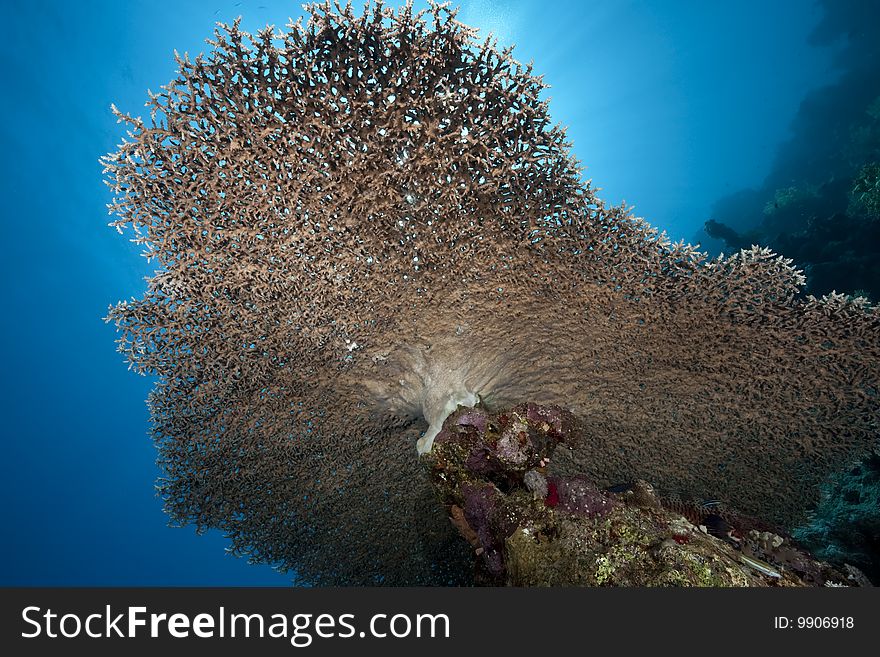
(531, 527)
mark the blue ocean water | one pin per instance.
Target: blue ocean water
(670, 104)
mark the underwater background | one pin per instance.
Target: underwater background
(762, 119)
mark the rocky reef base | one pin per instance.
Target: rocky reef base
(530, 528)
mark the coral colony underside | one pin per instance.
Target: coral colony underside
(364, 221)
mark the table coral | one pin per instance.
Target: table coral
(360, 223)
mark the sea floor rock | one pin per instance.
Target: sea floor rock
(528, 527)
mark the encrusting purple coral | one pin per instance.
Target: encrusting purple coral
(362, 223)
(489, 467)
(579, 496)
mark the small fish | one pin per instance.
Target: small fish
(718, 527)
(761, 566)
(619, 488)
